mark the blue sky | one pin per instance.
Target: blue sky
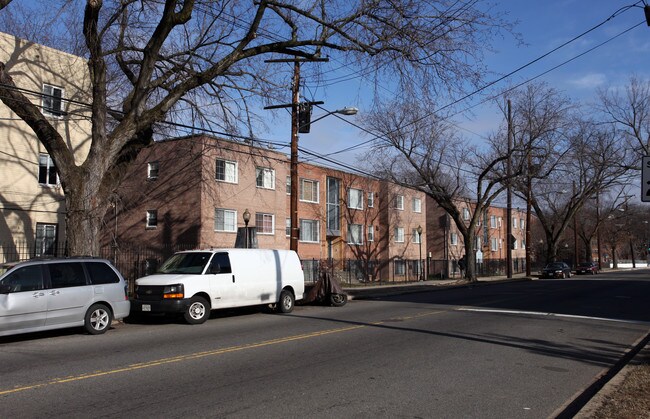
(543, 25)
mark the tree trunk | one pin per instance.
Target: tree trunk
(470, 258)
(85, 210)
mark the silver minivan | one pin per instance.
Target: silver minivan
(58, 293)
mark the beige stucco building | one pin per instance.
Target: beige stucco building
(32, 204)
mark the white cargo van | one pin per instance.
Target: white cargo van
(195, 282)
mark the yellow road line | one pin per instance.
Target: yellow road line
(197, 355)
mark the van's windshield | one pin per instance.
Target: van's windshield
(186, 263)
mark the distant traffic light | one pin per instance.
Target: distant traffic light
(304, 118)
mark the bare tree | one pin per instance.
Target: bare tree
(423, 151)
(151, 59)
(628, 110)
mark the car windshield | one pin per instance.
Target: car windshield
(185, 263)
(585, 265)
(555, 266)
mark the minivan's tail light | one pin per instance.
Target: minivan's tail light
(173, 292)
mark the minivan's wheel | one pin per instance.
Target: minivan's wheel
(286, 302)
(98, 319)
(338, 300)
(198, 311)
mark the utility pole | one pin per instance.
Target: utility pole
(295, 109)
(575, 229)
(509, 198)
(529, 185)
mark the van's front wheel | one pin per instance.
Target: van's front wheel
(197, 311)
(287, 301)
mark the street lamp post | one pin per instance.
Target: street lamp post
(419, 230)
(247, 218)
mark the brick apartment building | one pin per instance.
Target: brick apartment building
(193, 191)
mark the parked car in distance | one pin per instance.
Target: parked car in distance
(556, 270)
(194, 282)
(590, 268)
(44, 294)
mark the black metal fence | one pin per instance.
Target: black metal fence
(134, 262)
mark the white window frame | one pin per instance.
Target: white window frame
(265, 178)
(493, 221)
(355, 202)
(416, 236)
(514, 222)
(49, 101)
(465, 213)
(229, 223)
(261, 223)
(371, 233)
(151, 220)
(371, 199)
(153, 170)
(416, 205)
(398, 202)
(315, 228)
(314, 185)
(234, 171)
(355, 239)
(494, 244)
(287, 228)
(288, 185)
(522, 223)
(453, 239)
(399, 234)
(46, 163)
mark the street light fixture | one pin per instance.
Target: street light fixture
(419, 230)
(247, 217)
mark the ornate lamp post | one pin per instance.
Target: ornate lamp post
(247, 218)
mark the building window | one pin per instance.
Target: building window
(226, 171)
(225, 220)
(152, 170)
(493, 221)
(399, 234)
(287, 228)
(453, 239)
(309, 231)
(333, 198)
(45, 240)
(52, 100)
(400, 267)
(355, 234)
(288, 185)
(371, 199)
(466, 214)
(264, 223)
(309, 190)
(416, 236)
(417, 205)
(515, 245)
(265, 177)
(398, 202)
(494, 244)
(152, 219)
(355, 198)
(521, 223)
(47, 171)
(371, 233)
(514, 223)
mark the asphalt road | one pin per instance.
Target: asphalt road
(509, 350)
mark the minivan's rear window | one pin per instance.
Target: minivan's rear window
(101, 273)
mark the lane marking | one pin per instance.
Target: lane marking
(203, 354)
(548, 314)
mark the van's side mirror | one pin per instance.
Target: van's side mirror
(5, 288)
(215, 268)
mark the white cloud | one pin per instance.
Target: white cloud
(589, 81)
